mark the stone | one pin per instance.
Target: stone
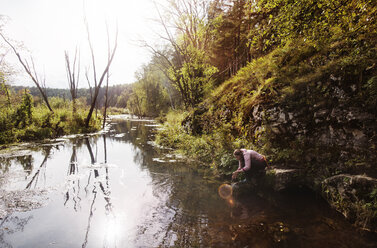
(255, 112)
(282, 118)
(279, 179)
(333, 78)
(321, 113)
(360, 139)
(355, 196)
(276, 179)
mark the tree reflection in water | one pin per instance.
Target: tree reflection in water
(73, 188)
(106, 192)
(41, 170)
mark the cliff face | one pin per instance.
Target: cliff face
(333, 138)
(335, 129)
(319, 118)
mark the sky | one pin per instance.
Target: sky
(47, 28)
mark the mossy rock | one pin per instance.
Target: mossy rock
(275, 179)
(280, 179)
(355, 196)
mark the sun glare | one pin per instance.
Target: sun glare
(112, 232)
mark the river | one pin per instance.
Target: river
(117, 189)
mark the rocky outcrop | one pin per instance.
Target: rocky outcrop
(329, 131)
(355, 196)
(280, 179)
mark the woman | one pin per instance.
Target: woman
(249, 162)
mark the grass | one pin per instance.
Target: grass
(15, 126)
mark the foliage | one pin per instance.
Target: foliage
(114, 93)
(185, 61)
(148, 96)
(24, 120)
(277, 22)
(24, 112)
(194, 78)
(214, 149)
(229, 51)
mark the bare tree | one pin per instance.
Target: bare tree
(31, 72)
(73, 76)
(107, 78)
(90, 87)
(98, 82)
(106, 100)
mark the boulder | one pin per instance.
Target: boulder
(279, 179)
(275, 179)
(355, 196)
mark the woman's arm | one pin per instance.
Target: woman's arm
(247, 162)
(239, 165)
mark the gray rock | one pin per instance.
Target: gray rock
(321, 113)
(279, 179)
(355, 196)
(282, 117)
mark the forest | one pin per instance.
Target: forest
(295, 80)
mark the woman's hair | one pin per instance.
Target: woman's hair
(239, 153)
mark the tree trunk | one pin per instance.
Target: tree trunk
(105, 72)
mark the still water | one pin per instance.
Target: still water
(115, 189)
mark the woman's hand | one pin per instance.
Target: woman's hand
(235, 174)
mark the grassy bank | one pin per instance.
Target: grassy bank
(212, 149)
(25, 120)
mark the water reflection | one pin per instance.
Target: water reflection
(73, 181)
(10, 225)
(98, 187)
(116, 190)
(41, 171)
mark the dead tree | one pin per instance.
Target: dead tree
(107, 79)
(90, 87)
(31, 72)
(98, 83)
(73, 76)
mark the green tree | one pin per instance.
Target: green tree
(24, 113)
(186, 64)
(149, 96)
(229, 51)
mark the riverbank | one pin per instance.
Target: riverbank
(79, 192)
(347, 189)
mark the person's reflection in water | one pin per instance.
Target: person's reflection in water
(238, 209)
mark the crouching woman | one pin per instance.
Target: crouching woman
(251, 163)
